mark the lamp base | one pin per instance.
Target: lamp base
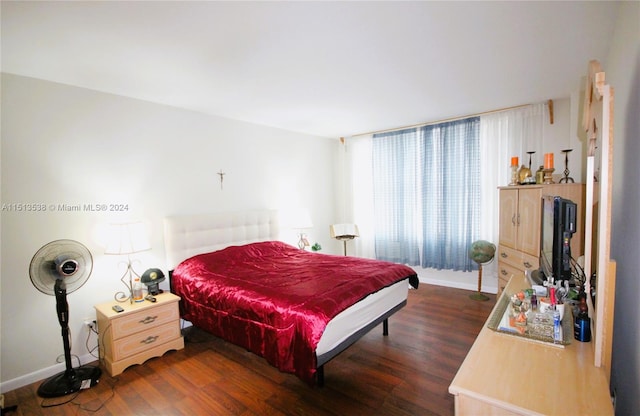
(479, 297)
(344, 239)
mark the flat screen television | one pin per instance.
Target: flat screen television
(557, 227)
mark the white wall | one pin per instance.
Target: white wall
(622, 69)
(564, 134)
(67, 145)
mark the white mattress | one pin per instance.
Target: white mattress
(360, 314)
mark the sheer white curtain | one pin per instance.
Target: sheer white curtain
(398, 169)
(503, 135)
(358, 174)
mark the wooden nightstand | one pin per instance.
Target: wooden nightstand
(142, 331)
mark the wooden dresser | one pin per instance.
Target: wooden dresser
(520, 216)
(509, 375)
(142, 331)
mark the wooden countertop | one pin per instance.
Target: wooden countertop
(523, 376)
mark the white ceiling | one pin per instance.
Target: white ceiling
(324, 68)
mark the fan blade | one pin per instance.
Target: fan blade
(60, 259)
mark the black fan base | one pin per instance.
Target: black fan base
(70, 381)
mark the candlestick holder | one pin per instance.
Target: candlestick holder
(530, 153)
(566, 178)
(548, 176)
(514, 175)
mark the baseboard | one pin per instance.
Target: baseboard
(460, 285)
(42, 374)
(458, 280)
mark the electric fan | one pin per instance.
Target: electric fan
(481, 251)
(58, 268)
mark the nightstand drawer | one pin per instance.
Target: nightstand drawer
(144, 319)
(142, 341)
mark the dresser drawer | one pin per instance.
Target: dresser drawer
(506, 272)
(530, 262)
(517, 259)
(510, 256)
(142, 341)
(144, 319)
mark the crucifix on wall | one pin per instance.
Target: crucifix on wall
(221, 174)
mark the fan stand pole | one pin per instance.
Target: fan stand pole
(478, 295)
(71, 380)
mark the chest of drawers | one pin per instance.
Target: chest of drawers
(520, 216)
(142, 331)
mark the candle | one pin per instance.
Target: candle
(514, 161)
(548, 160)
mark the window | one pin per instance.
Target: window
(427, 194)
(400, 186)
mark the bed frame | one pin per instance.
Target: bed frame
(187, 236)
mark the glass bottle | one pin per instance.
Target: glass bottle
(540, 175)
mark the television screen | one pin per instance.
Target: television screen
(558, 224)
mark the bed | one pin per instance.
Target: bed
(297, 309)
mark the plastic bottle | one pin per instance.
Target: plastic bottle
(557, 331)
(138, 296)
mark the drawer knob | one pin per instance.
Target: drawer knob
(504, 255)
(527, 265)
(150, 339)
(149, 319)
(503, 272)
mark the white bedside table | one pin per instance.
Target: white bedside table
(143, 330)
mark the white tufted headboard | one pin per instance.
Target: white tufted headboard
(188, 235)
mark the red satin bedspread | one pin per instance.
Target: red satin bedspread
(276, 300)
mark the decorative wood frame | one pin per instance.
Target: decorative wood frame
(597, 121)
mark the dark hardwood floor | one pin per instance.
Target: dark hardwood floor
(406, 373)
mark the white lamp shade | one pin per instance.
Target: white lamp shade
(127, 238)
(343, 231)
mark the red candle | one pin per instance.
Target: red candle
(548, 160)
(514, 161)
